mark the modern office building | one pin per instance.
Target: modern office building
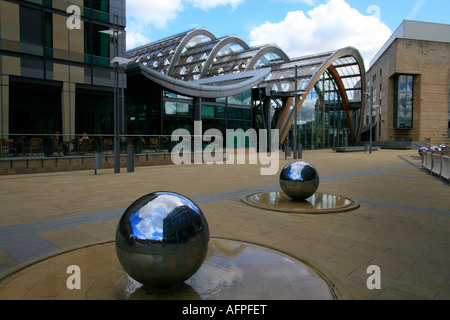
(409, 86)
(55, 66)
(227, 84)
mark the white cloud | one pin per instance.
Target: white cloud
(209, 4)
(136, 39)
(329, 26)
(156, 13)
(145, 15)
(160, 12)
(309, 2)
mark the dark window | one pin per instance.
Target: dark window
(96, 43)
(34, 109)
(48, 29)
(100, 5)
(94, 113)
(31, 26)
(97, 9)
(208, 111)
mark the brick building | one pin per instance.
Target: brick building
(408, 86)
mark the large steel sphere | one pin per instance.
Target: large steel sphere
(162, 239)
(422, 150)
(299, 180)
(435, 148)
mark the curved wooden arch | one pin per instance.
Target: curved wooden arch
(341, 88)
(342, 53)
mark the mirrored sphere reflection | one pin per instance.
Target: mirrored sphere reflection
(162, 239)
(422, 150)
(299, 180)
(435, 148)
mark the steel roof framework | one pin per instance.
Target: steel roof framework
(197, 54)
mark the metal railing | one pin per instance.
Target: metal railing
(437, 163)
(59, 145)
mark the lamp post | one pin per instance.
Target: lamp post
(370, 120)
(294, 140)
(117, 61)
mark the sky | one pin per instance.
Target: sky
(298, 27)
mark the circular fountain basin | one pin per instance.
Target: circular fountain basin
(318, 203)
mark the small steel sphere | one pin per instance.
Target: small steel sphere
(162, 239)
(299, 180)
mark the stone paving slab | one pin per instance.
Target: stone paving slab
(402, 225)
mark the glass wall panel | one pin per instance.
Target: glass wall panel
(403, 102)
(143, 107)
(244, 98)
(96, 44)
(208, 112)
(168, 94)
(97, 9)
(178, 108)
(239, 113)
(94, 113)
(143, 118)
(173, 123)
(219, 124)
(34, 109)
(48, 29)
(100, 5)
(322, 121)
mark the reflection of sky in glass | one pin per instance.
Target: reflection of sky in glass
(148, 221)
(296, 171)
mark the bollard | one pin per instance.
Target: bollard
(97, 161)
(130, 158)
(287, 151)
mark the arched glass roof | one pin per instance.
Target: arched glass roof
(197, 54)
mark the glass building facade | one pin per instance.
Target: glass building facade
(56, 74)
(153, 110)
(319, 95)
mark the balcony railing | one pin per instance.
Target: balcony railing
(58, 145)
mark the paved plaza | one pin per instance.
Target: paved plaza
(402, 225)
